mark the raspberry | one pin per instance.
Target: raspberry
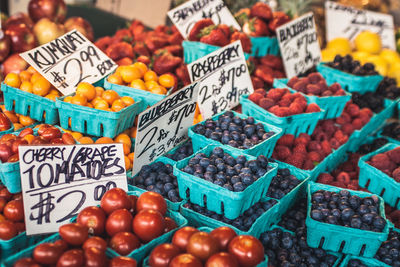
(335, 144)
(343, 139)
(314, 146)
(308, 165)
(273, 109)
(302, 102)
(305, 136)
(313, 89)
(288, 96)
(394, 155)
(324, 87)
(366, 111)
(296, 160)
(257, 82)
(364, 119)
(266, 103)
(282, 112)
(396, 175)
(301, 140)
(344, 178)
(300, 86)
(255, 97)
(284, 103)
(344, 118)
(380, 161)
(347, 128)
(292, 81)
(325, 178)
(260, 91)
(338, 134)
(312, 108)
(339, 93)
(286, 140)
(276, 93)
(282, 152)
(353, 110)
(296, 108)
(329, 127)
(314, 156)
(300, 148)
(335, 87)
(315, 77)
(357, 124)
(326, 93)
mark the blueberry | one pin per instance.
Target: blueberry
(225, 139)
(317, 215)
(219, 182)
(247, 179)
(212, 169)
(228, 186)
(204, 162)
(356, 222)
(216, 136)
(238, 187)
(189, 169)
(233, 143)
(235, 179)
(318, 197)
(347, 214)
(379, 223)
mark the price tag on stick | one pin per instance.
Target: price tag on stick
(299, 45)
(164, 125)
(186, 15)
(69, 60)
(348, 22)
(223, 76)
(59, 181)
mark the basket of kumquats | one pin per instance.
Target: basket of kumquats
(138, 80)
(95, 111)
(30, 94)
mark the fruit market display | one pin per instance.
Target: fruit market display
(253, 186)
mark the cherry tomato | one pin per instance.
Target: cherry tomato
(7, 137)
(170, 224)
(185, 260)
(223, 235)
(133, 200)
(95, 258)
(17, 196)
(122, 262)
(57, 141)
(68, 139)
(62, 244)
(18, 142)
(39, 140)
(202, 245)
(43, 127)
(94, 218)
(74, 233)
(95, 242)
(124, 243)
(51, 133)
(5, 152)
(247, 249)
(25, 132)
(47, 253)
(26, 262)
(222, 259)
(5, 193)
(151, 201)
(8, 230)
(3, 203)
(115, 199)
(162, 255)
(119, 221)
(72, 258)
(14, 211)
(181, 237)
(148, 224)
(13, 158)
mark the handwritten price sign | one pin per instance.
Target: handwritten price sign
(69, 60)
(186, 15)
(164, 125)
(224, 77)
(299, 45)
(348, 22)
(59, 181)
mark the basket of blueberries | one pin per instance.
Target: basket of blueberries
(224, 180)
(181, 151)
(238, 131)
(346, 221)
(350, 74)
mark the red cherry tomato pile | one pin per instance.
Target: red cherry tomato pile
(221, 247)
(5, 122)
(11, 214)
(46, 134)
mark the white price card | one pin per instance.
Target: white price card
(164, 125)
(223, 76)
(59, 181)
(348, 22)
(69, 60)
(299, 45)
(186, 15)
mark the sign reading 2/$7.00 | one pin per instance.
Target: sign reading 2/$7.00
(69, 60)
(223, 76)
(299, 45)
(59, 181)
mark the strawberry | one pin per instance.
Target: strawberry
(261, 10)
(214, 36)
(256, 98)
(255, 27)
(257, 82)
(136, 28)
(183, 74)
(175, 39)
(194, 34)
(154, 43)
(260, 91)
(166, 62)
(279, 18)
(244, 40)
(144, 59)
(272, 61)
(140, 49)
(103, 43)
(119, 50)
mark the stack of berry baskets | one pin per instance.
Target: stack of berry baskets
(209, 179)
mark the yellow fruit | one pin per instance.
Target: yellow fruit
(368, 42)
(389, 55)
(394, 72)
(341, 45)
(87, 90)
(360, 56)
(381, 65)
(26, 86)
(13, 80)
(130, 73)
(328, 55)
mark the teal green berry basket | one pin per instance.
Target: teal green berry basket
(370, 262)
(350, 82)
(37, 107)
(295, 124)
(17, 244)
(192, 51)
(150, 98)
(219, 199)
(343, 239)
(174, 206)
(97, 122)
(9, 130)
(378, 182)
(260, 225)
(332, 105)
(265, 45)
(172, 151)
(265, 148)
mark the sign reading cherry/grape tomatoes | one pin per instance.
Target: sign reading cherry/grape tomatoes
(186, 15)
(223, 76)
(59, 181)
(69, 60)
(164, 125)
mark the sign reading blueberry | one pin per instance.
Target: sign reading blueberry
(353, 21)
(164, 125)
(186, 15)
(299, 45)
(59, 181)
(69, 60)
(223, 76)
